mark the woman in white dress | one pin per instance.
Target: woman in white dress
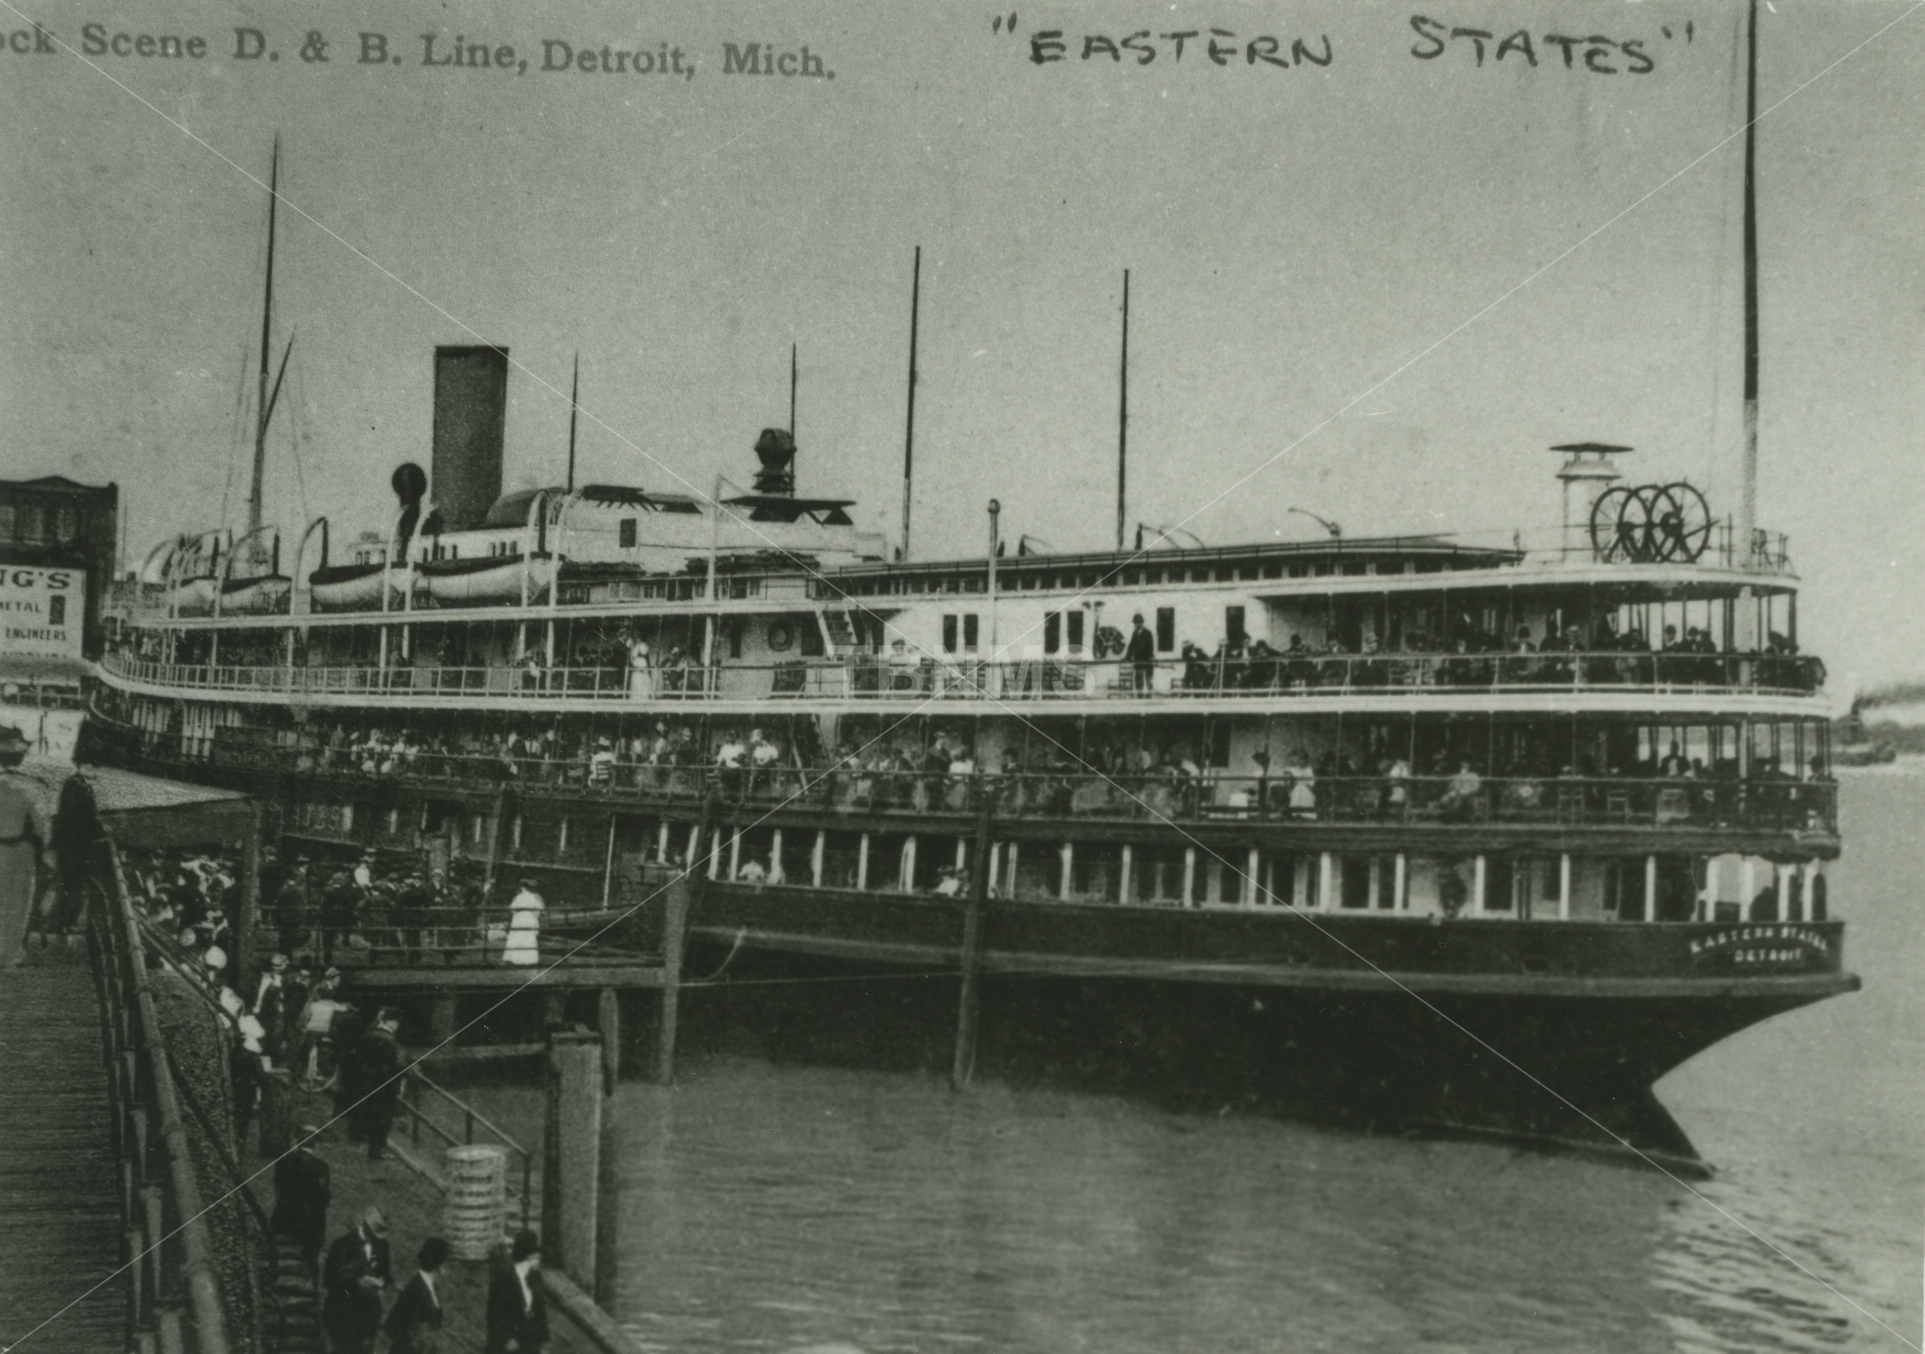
(641, 679)
(524, 927)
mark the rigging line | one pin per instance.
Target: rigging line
(1286, 450)
(1540, 271)
(294, 439)
(395, 278)
(1470, 1034)
(1364, 394)
(688, 870)
(240, 417)
(386, 272)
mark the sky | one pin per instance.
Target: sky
(1376, 289)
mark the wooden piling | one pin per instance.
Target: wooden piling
(676, 904)
(969, 1005)
(608, 1021)
(571, 1168)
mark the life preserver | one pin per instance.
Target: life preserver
(1109, 641)
(781, 635)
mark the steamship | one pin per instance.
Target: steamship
(1392, 830)
(1397, 829)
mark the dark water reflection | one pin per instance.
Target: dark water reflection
(784, 1208)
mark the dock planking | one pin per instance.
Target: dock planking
(59, 1289)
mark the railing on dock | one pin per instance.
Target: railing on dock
(417, 1083)
(882, 677)
(167, 1228)
(441, 936)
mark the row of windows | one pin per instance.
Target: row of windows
(1062, 628)
(1222, 573)
(39, 524)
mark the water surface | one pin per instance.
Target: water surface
(780, 1208)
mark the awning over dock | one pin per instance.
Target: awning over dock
(146, 811)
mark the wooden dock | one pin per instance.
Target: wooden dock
(59, 1285)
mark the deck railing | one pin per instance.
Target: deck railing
(1719, 800)
(881, 677)
(168, 1227)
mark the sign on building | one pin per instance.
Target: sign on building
(42, 611)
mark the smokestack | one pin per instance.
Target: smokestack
(775, 449)
(470, 408)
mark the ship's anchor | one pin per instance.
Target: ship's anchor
(1651, 524)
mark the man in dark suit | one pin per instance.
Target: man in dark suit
(517, 1308)
(377, 1083)
(1140, 653)
(414, 1323)
(303, 1188)
(357, 1271)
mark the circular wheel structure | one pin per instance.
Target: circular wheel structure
(1681, 523)
(1651, 524)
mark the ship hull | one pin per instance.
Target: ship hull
(1526, 1032)
(1539, 1031)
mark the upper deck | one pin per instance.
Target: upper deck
(1376, 624)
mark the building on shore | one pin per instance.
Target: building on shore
(58, 547)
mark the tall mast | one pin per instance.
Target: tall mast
(792, 392)
(909, 437)
(1748, 500)
(1123, 413)
(267, 320)
(574, 407)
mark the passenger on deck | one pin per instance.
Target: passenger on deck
(601, 766)
(902, 666)
(1140, 653)
(1300, 784)
(523, 946)
(1462, 795)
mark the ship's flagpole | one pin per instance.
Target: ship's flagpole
(574, 408)
(267, 320)
(909, 436)
(791, 392)
(1748, 501)
(1123, 413)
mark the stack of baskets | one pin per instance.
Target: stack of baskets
(477, 1205)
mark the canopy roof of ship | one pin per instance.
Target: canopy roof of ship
(511, 510)
(1213, 564)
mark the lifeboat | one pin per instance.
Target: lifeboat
(263, 595)
(351, 587)
(193, 596)
(491, 579)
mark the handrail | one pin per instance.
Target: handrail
(121, 948)
(1070, 676)
(470, 1118)
(1717, 799)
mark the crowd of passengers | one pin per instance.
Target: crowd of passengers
(1471, 656)
(1478, 657)
(1151, 776)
